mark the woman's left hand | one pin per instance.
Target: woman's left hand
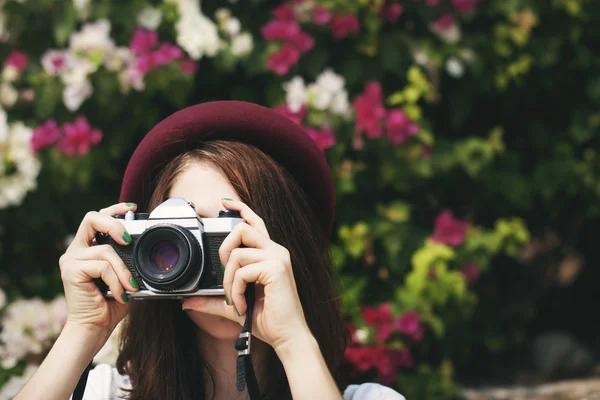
(278, 316)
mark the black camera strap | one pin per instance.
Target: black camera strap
(245, 370)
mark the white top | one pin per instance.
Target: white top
(105, 383)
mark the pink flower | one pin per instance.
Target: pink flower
(464, 6)
(409, 323)
(143, 41)
(321, 15)
(324, 138)
(45, 135)
(78, 137)
(283, 12)
(166, 53)
(392, 12)
(303, 40)
(144, 63)
(297, 117)
(17, 59)
(369, 110)
(449, 230)
(343, 25)
(445, 22)
(188, 67)
(384, 360)
(281, 61)
(381, 318)
(432, 3)
(280, 30)
(471, 273)
(399, 127)
(362, 358)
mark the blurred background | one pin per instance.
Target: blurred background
(462, 136)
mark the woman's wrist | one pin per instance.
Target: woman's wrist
(302, 343)
(94, 337)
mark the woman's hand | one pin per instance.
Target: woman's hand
(84, 261)
(278, 316)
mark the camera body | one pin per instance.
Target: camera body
(174, 253)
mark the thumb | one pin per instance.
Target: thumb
(214, 305)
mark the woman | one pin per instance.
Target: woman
(220, 155)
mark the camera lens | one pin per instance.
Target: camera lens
(164, 255)
(167, 257)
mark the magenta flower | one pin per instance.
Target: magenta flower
(381, 319)
(303, 41)
(297, 117)
(409, 323)
(449, 230)
(392, 12)
(44, 135)
(465, 6)
(471, 272)
(78, 137)
(321, 15)
(281, 61)
(343, 25)
(17, 59)
(143, 41)
(369, 110)
(280, 30)
(165, 54)
(386, 361)
(188, 67)
(399, 127)
(324, 138)
(445, 22)
(283, 12)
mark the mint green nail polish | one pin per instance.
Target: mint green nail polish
(127, 237)
(227, 198)
(222, 268)
(130, 204)
(187, 309)
(227, 300)
(124, 297)
(134, 283)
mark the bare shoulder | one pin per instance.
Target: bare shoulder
(371, 391)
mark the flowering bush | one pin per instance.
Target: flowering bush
(443, 121)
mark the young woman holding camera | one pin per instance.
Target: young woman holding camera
(221, 155)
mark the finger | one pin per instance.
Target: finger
(238, 258)
(107, 253)
(212, 305)
(258, 273)
(242, 234)
(247, 214)
(94, 222)
(118, 209)
(102, 269)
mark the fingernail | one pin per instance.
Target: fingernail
(227, 198)
(227, 300)
(134, 283)
(236, 311)
(130, 204)
(124, 297)
(127, 237)
(222, 268)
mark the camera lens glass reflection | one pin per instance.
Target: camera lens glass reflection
(164, 255)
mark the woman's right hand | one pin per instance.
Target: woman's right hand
(84, 260)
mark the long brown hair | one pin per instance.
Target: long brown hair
(159, 349)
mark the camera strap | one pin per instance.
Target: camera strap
(245, 370)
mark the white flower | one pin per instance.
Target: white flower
(2, 299)
(362, 335)
(242, 44)
(222, 14)
(454, 67)
(340, 104)
(131, 77)
(150, 18)
(82, 7)
(330, 82)
(233, 26)
(91, 37)
(196, 34)
(56, 62)
(4, 130)
(15, 383)
(318, 97)
(296, 95)
(8, 95)
(119, 59)
(420, 57)
(10, 73)
(77, 72)
(450, 35)
(75, 94)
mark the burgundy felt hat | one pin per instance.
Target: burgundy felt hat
(277, 136)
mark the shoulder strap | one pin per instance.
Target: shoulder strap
(80, 388)
(245, 370)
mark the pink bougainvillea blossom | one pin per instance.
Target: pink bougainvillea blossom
(143, 41)
(369, 110)
(399, 127)
(150, 53)
(471, 272)
(78, 137)
(45, 135)
(465, 6)
(445, 22)
(381, 319)
(385, 361)
(343, 25)
(166, 53)
(280, 30)
(188, 66)
(282, 60)
(17, 60)
(284, 12)
(449, 230)
(303, 41)
(297, 117)
(392, 12)
(324, 138)
(321, 15)
(410, 324)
